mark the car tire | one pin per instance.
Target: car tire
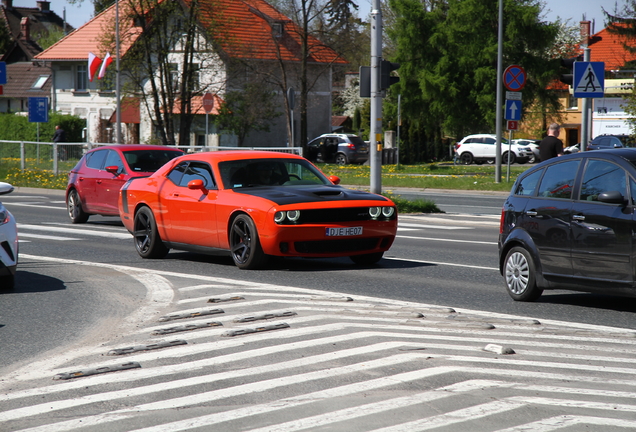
(74, 208)
(520, 275)
(466, 158)
(532, 159)
(367, 259)
(7, 282)
(245, 245)
(505, 158)
(341, 159)
(146, 236)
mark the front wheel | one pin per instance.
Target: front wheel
(509, 155)
(367, 259)
(74, 208)
(520, 275)
(147, 240)
(245, 246)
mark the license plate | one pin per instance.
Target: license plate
(338, 232)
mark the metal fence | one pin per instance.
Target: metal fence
(58, 158)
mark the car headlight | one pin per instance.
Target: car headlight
(375, 212)
(384, 212)
(387, 212)
(290, 215)
(4, 217)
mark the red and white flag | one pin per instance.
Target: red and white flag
(93, 65)
(107, 61)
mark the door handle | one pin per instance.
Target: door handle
(531, 213)
(578, 217)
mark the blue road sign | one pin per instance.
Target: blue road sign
(513, 110)
(3, 73)
(589, 79)
(38, 110)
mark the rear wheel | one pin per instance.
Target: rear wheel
(367, 259)
(341, 159)
(146, 236)
(466, 158)
(519, 274)
(245, 245)
(74, 207)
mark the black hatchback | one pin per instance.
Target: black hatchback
(569, 223)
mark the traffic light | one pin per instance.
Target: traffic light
(568, 77)
(386, 79)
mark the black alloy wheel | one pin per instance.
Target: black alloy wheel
(147, 240)
(245, 246)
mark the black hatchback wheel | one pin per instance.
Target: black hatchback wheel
(245, 246)
(519, 274)
(147, 240)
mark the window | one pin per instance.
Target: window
(572, 103)
(174, 76)
(113, 159)
(558, 180)
(602, 176)
(39, 83)
(176, 174)
(197, 171)
(96, 159)
(81, 77)
(528, 184)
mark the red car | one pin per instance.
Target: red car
(254, 204)
(94, 183)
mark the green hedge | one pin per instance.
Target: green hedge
(15, 127)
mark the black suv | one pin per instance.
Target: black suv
(339, 148)
(603, 142)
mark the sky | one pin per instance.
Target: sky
(79, 14)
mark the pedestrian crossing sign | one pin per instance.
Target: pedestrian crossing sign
(589, 79)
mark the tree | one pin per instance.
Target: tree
(249, 109)
(448, 55)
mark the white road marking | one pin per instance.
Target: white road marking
(75, 231)
(447, 240)
(440, 263)
(23, 234)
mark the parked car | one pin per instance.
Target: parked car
(8, 243)
(254, 204)
(605, 142)
(568, 224)
(94, 183)
(572, 149)
(338, 148)
(481, 148)
(534, 147)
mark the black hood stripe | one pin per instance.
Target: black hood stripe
(285, 195)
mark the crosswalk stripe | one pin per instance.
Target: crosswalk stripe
(75, 231)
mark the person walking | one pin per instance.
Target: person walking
(551, 146)
(60, 137)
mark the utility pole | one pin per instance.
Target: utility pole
(375, 133)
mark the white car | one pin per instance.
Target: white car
(480, 148)
(8, 243)
(534, 146)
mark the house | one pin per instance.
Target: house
(24, 78)
(231, 33)
(608, 116)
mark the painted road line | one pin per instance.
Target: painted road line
(446, 240)
(23, 234)
(75, 231)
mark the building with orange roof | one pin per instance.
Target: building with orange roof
(231, 32)
(608, 116)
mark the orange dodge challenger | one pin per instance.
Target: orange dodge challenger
(254, 204)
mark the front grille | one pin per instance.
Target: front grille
(325, 216)
(343, 245)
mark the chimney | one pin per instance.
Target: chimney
(585, 32)
(44, 6)
(8, 4)
(24, 28)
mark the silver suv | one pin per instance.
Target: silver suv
(480, 148)
(339, 148)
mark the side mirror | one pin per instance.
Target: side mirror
(611, 197)
(196, 185)
(334, 179)
(113, 169)
(5, 188)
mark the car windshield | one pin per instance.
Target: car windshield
(149, 160)
(270, 172)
